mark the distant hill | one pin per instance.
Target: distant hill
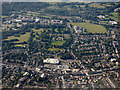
(60, 0)
(16, 6)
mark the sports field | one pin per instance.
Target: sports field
(58, 42)
(97, 5)
(93, 28)
(22, 38)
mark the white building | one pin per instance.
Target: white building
(26, 73)
(112, 22)
(100, 16)
(42, 75)
(18, 20)
(57, 21)
(113, 59)
(116, 10)
(17, 85)
(92, 69)
(37, 20)
(117, 63)
(37, 69)
(51, 61)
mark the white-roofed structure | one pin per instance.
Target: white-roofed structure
(113, 59)
(78, 29)
(51, 61)
(42, 75)
(112, 22)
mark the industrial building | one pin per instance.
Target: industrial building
(51, 61)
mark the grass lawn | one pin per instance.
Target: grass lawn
(22, 38)
(52, 2)
(52, 7)
(20, 45)
(38, 30)
(47, 16)
(56, 30)
(28, 14)
(104, 21)
(93, 28)
(58, 42)
(4, 16)
(97, 5)
(54, 49)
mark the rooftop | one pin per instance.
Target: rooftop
(51, 61)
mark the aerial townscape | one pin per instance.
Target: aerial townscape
(60, 45)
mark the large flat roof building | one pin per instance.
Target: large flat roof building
(51, 61)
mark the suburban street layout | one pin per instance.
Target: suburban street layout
(60, 45)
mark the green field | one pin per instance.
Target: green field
(52, 2)
(58, 42)
(4, 16)
(97, 5)
(20, 45)
(55, 49)
(37, 30)
(52, 7)
(47, 16)
(22, 38)
(93, 28)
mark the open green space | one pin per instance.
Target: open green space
(58, 42)
(52, 2)
(4, 16)
(52, 7)
(55, 49)
(38, 30)
(47, 16)
(97, 5)
(20, 45)
(93, 28)
(22, 38)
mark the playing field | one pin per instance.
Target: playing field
(22, 38)
(20, 45)
(55, 49)
(93, 28)
(97, 5)
(38, 30)
(4, 16)
(58, 42)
